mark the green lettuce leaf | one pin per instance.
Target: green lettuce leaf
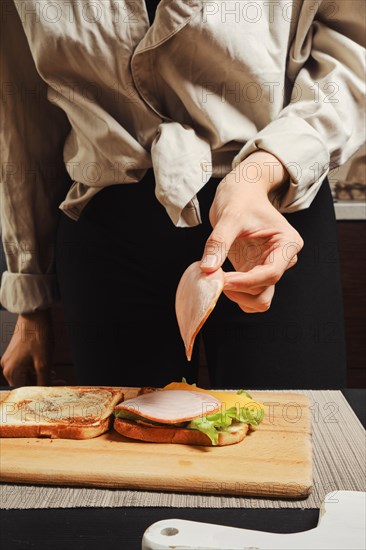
(207, 427)
(185, 382)
(212, 424)
(244, 392)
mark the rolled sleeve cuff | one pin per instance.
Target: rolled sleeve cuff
(26, 293)
(302, 152)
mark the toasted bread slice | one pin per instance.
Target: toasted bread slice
(68, 412)
(162, 434)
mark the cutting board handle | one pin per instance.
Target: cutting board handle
(341, 526)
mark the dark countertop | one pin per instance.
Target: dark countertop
(122, 528)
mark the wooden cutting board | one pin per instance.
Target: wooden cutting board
(274, 460)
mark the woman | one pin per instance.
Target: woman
(231, 114)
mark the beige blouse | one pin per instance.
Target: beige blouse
(95, 96)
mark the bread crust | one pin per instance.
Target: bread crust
(162, 434)
(54, 431)
(77, 427)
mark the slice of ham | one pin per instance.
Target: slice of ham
(171, 406)
(196, 296)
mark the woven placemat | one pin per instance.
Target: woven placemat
(339, 454)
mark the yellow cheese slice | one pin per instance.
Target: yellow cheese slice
(229, 399)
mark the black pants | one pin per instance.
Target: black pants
(118, 268)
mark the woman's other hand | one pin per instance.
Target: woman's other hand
(28, 358)
(251, 232)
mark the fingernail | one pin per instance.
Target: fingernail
(209, 260)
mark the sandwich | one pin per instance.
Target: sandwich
(58, 412)
(183, 413)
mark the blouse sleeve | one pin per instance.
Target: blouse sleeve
(34, 179)
(323, 123)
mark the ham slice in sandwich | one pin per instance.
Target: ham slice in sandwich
(183, 413)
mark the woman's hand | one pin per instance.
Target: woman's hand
(28, 358)
(248, 229)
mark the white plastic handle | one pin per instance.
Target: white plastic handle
(341, 527)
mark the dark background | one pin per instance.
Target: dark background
(352, 250)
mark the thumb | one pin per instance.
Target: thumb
(217, 246)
